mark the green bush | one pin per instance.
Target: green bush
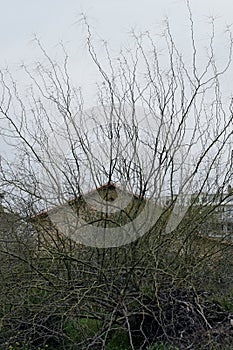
(119, 340)
(161, 347)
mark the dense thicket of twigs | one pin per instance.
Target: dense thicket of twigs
(173, 285)
(81, 302)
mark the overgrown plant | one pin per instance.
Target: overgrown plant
(161, 134)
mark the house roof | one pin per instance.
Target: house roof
(109, 185)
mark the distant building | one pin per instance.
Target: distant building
(220, 206)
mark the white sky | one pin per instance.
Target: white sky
(58, 20)
(54, 20)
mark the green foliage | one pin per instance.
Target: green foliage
(14, 344)
(225, 301)
(161, 346)
(79, 329)
(119, 341)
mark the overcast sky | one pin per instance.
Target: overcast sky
(58, 20)
(55, 20)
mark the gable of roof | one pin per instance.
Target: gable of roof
(108, 192)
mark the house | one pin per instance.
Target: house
(110, 216)
(100, 218)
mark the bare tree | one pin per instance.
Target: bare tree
(161, 130)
